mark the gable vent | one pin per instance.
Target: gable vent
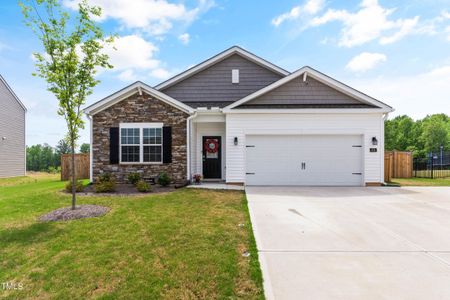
(235, 76)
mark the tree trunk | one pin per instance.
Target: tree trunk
(74, 180)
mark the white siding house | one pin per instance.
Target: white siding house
(12, 133)
(251, 122)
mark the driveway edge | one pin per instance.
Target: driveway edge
(267, 283)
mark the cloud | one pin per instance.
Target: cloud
(410, 94)
(370, 22)
(155, 17)
(445, 14)
(160, 73)
(127, 75)
(184, 38)
(447, 31)
(406, 27)
(133, 57)
(310, 7)
(132, 52)
(365, 61)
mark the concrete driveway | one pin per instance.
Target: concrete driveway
(353, 243)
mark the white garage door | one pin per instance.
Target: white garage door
(304, 160)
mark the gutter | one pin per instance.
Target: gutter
(384, 118)
(188, 144)
(91, 151)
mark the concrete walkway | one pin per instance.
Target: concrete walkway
(216, 186)
(353, 243)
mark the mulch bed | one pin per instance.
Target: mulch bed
(128, 189)
(80, 212)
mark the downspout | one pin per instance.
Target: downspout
(188, 144)
(385, 116)
(91, 151)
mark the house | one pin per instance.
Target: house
(12, 133)
(240, 119)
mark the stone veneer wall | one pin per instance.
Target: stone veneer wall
(140, 109)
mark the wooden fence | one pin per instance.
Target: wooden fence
(81, 166)
(397, 164)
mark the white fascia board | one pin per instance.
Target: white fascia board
(130, 90)
(219, 57)
(333, 83)
(308, 111)
(12, 93)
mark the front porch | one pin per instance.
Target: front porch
(208, 148)
(221, 185)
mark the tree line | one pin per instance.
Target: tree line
(420, 136)
(46, 158)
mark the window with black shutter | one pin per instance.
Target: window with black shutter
(144, 143)
(114, 145)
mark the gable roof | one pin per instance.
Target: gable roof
(12, 92)
(136, 87)
(327, 80)
(217, 58)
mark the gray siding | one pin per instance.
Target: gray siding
(214, 83)
(12, 126)
(295, 92)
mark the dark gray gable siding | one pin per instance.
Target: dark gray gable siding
(296, 92)
(12, 127)
(214, 83)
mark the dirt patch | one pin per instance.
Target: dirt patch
(80, 212)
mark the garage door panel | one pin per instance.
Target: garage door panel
(328, 160)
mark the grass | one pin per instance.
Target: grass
(181, 245)
(422, 181)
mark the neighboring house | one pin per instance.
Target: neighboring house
(12, 133)
(239, 118)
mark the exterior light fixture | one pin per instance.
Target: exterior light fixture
(3, 138)
(235, 141)
(374, 141)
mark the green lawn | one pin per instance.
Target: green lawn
(181, 245)
(422, 181)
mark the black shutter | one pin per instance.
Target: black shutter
(167, 144)
(114, 145)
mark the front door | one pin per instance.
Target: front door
(212, 157)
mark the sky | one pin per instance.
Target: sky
(395, 51)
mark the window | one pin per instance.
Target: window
(152, 144)
(129, 139)
(235, 76)
(141, 143)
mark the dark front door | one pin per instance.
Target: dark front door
(212, 157)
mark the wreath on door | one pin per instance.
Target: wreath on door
(211, 145)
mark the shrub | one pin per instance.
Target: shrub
(134, 178)
(164, 179)
(53, 170)
(105, 183)
(105, 186)
(79, 187)
(104, 177)
(143, 186)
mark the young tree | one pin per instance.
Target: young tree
(85, 148)
(72, 54)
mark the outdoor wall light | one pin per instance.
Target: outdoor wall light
(374, 141)
(3, 138)
(235, 141)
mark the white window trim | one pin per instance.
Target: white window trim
(141, 127)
